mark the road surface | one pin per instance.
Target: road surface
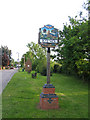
(5, 76)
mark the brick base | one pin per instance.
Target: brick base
(48, 98)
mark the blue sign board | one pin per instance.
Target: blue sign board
(48, 36)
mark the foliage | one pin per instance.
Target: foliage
(13, 62)
(83, 69)
(42, 67)
(6, 56)
(57, 68)
(5, 60)
(73, 49)
(37, 55)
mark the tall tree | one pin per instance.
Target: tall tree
(6, 56)
(35, 53)
(73, 50)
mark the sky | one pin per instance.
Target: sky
(20, 20)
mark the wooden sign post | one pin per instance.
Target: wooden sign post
(48, 37)
(48, 66)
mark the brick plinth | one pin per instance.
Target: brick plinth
(48, 90)
(48, 98)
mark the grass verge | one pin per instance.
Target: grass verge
(21, 97)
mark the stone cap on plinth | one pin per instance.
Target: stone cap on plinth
(48, 86)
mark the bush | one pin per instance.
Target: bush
(83, 69)
(42, 68)
(43, 71)
(57, 68)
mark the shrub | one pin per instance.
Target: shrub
(57, 68)
(83, 69)
(42, 68)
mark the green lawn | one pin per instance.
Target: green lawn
(21, 97)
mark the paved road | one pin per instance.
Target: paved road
(5, 76)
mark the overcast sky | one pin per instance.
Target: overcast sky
(20, 20)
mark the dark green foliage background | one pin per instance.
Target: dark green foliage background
(73, 50)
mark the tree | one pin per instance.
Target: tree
(36, 54)
(5, 60)
(73, 49)
(6, 56)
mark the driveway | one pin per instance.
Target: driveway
(5, 76)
